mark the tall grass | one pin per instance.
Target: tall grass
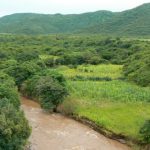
(118, 91)
(101, 71)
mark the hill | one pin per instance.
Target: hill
(131, 22)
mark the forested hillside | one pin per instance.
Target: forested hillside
(134, 22)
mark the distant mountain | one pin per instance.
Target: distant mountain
(131, 22)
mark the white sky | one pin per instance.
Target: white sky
(65, 6)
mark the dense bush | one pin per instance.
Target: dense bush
(145, 132)
(22, 72)
(137, 68)
(48, 86)
(7, 63)
(55, 75)
(7, 80)
(50, 92)
(28, 87)
(14, 128)
(9, 93)
(27, 56)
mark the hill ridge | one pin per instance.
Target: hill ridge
(134, 22)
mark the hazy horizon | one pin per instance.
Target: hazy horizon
(65, 6)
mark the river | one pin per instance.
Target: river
(56, 132)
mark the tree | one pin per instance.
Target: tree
(27, 56)
(50, 92)
(22, 72)
(14, 128)
(11, 94)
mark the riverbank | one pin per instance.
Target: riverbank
(61, 133)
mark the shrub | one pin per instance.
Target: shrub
(145, 132)
(8, 90)
(22, 72)
(9, 93)
(55, 75)
(68, 107)
(14, 128)
(27, 56)
(50, 92)
(28, 87)
(48, 86)
(137, 69)
(49, 62)
(7, 80)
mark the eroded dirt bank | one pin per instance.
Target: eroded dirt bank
(56, 132)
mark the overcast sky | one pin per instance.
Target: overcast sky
(65, 6)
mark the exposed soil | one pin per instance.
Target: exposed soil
(56, 132)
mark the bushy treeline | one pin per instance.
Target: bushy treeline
(67, 50)
(55, 50)
(14, 128)
(48, 87)
(137, 68)
(38, 82)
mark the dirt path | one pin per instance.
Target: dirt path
(55, 132)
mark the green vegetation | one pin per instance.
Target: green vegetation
(91, 72)
(109, 104)
(145, 131)
(114, 90)
(133, 22)
(47, 87)
(137, 68)
(14, 128)
(103, 79)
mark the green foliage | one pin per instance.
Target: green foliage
(145, 132)
(28, 87)
(55, 75)
(119, 91)
(90, 62)
(14, 128)
(50, 50)
(131, 22)
(50, 92)
(92, 72)
(137, 68)
(48, 86)
(7, 80)
(27, 56)
(9, 93)
(22, 72)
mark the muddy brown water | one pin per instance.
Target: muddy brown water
(56, 132)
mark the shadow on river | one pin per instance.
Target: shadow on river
(56, 132)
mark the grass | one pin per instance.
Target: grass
(118, 106)
(111, 71)
(116, 91)
(43, 57)
(125, 119)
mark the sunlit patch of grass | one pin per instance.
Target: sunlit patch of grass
(121, 118)
(118, 106)
(43, 57)
(104, 70)
(118, 91)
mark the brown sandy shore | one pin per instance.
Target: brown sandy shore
(56, 132)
